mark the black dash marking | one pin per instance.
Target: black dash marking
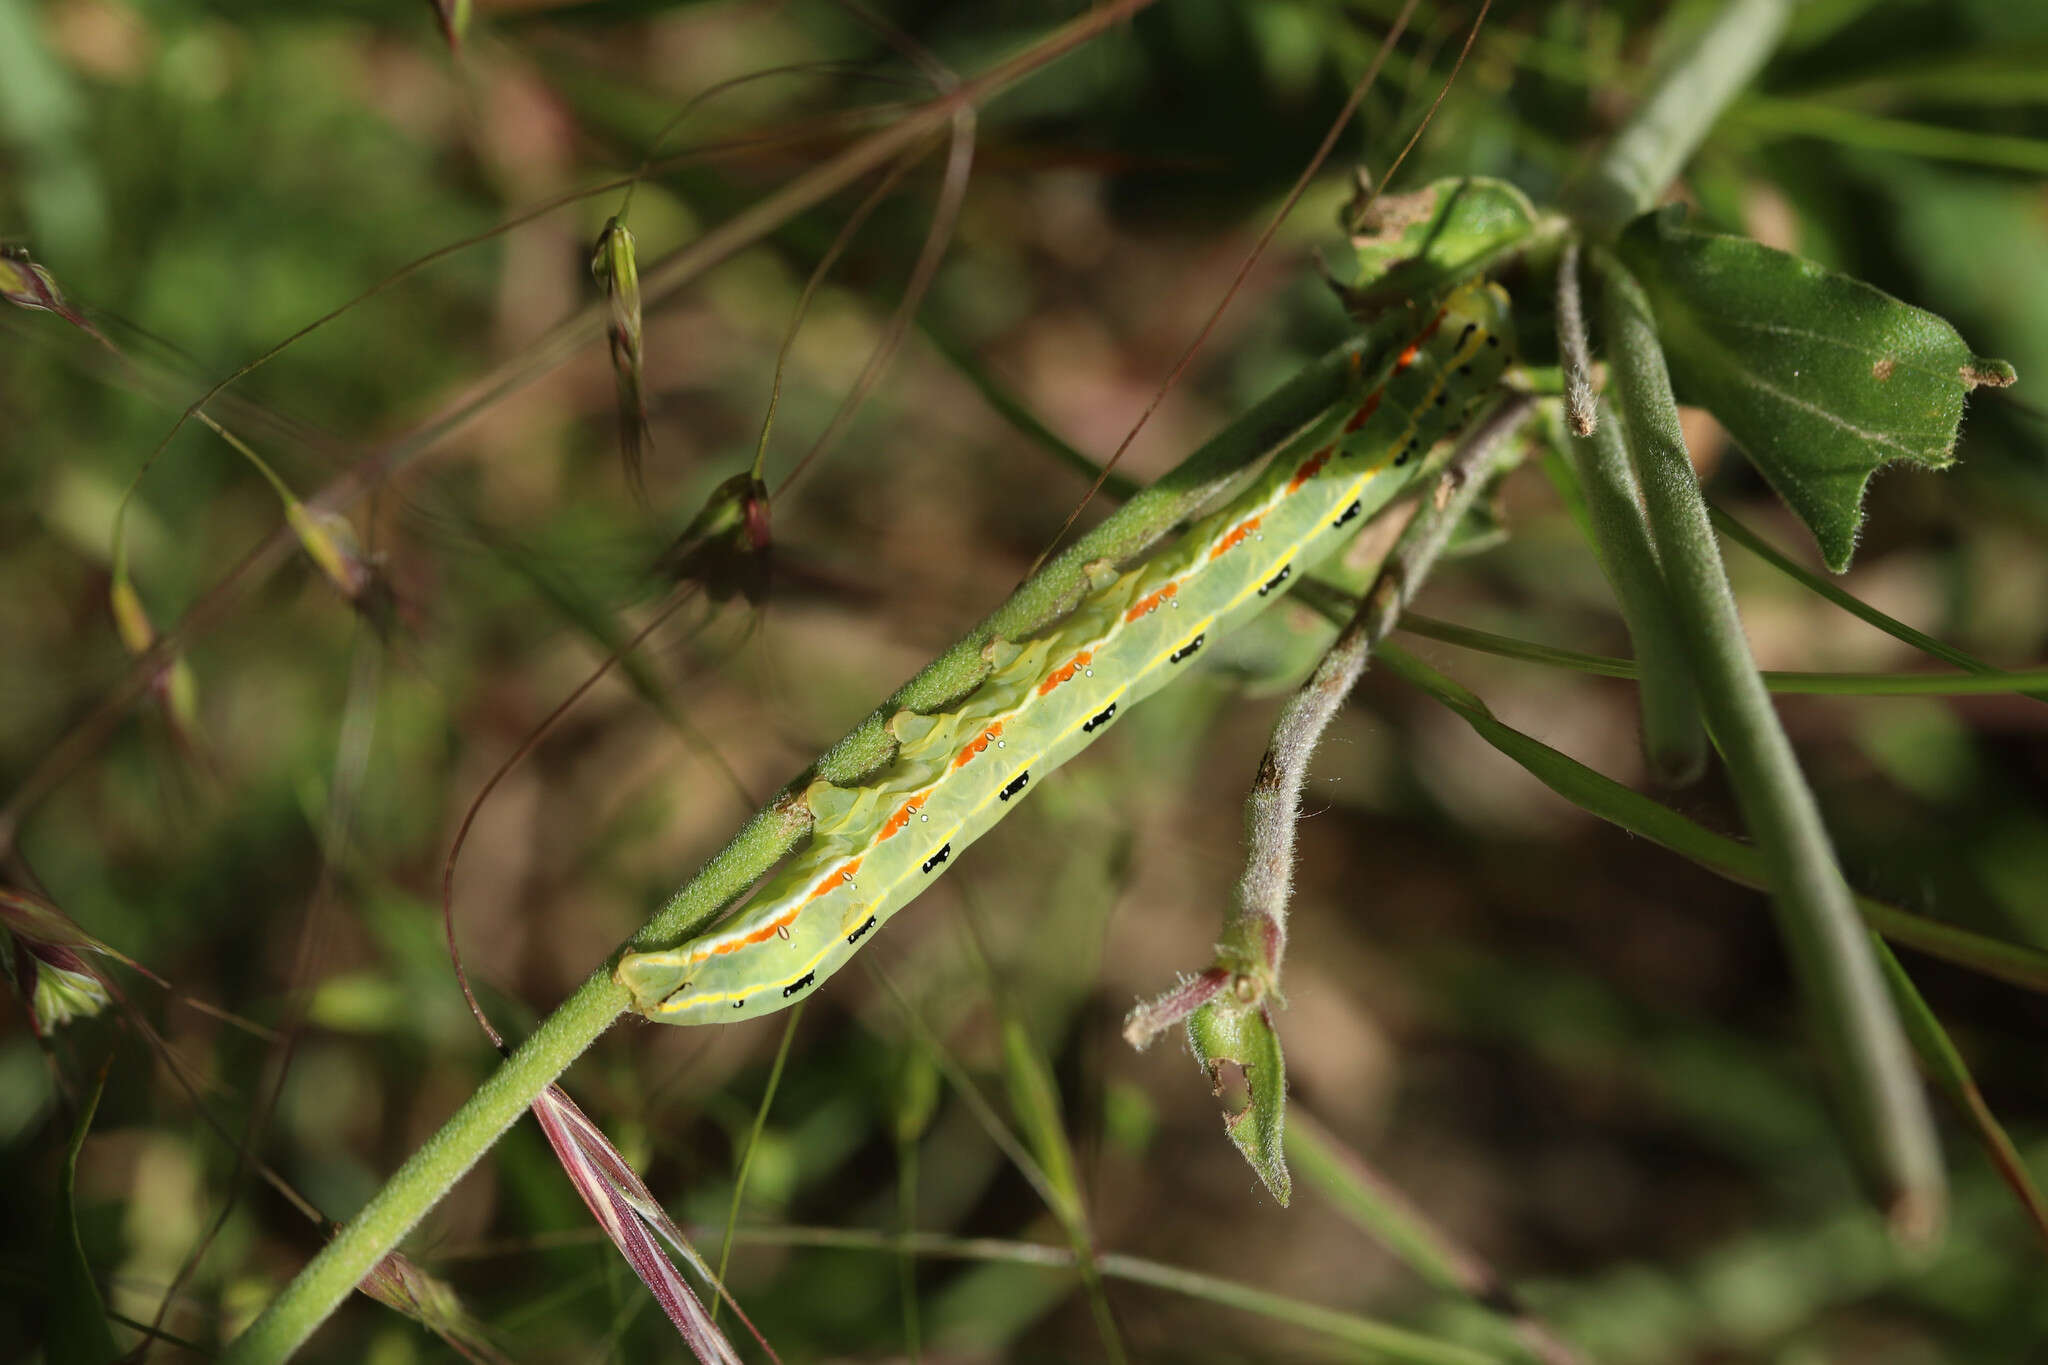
(1492, 340)
(860, 933)
(1187, 649)
(1406, 455)
(807, 979)
(939, 857)
(739, 1004)
(1349, 514)
(1470, 328)
(1443, 400)
(1465, 369)
(1015, 786)
(1108, 714)
(1277, 579)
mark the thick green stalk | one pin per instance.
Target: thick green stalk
(1885, 1107)
(1647, 154)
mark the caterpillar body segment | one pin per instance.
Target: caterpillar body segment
(875, 847)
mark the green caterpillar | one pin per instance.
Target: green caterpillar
(876, 846)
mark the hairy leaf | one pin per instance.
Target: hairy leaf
(1822, 379)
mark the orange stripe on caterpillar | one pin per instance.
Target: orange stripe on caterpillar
(975, 746)
(1310, 467)
(1365, 411)
(1414, 348)
(1066, 671)
(1152, 601)
(900, 818)
(760, 935)
(1237, 536)
(839, 876)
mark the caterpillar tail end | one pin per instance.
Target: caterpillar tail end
(652, 979)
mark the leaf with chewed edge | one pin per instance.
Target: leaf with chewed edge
(1224, 1032)
(1822, 379)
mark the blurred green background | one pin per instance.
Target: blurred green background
(1578, 1055)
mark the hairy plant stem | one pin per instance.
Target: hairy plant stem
(1673, 740)
(1886, 1111)
(1574, 349)
(1254, 939)
(1673, 119)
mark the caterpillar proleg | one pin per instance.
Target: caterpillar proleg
(875, 847)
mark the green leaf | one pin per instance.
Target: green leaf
(1821, 378)
(1945, 1066)
(1223, 1031)
(1415, 245)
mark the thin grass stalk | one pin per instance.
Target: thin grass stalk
(1749, 540)
(1381, 1341)
(1944, 1066)
(1989, 682)
(1380, 1209)
(739, 1181)
(1600, 795)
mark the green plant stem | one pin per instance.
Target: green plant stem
(1366, 1199)
(1382, 1341)
(1574, 347)
(1673, 119)
(739, 1182)
(1292, 413)
(1758, 116)
(1987, 684)
(1014, 411)
(1885, 1106)
(1861, 610)
(1674, 741)
(1600, 795)
(1254, 936)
